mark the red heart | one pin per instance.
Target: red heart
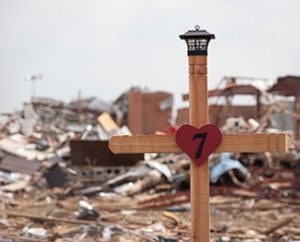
(198, 144)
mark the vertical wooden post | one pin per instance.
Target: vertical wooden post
(197, 41)
(79, 108)
(199, 174)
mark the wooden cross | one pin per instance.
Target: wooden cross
(197, 41)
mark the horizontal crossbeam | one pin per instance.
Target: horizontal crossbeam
(252, 143)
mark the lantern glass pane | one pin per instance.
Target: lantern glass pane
(201, 44)
(191, 44)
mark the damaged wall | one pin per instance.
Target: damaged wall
(149, 111)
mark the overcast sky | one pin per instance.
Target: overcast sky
(103, 47)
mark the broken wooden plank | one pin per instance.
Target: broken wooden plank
(278, 225)
(66, 230)
(252, 143)
(16, 186)
(47, 219)
(20, 238)
(107, 123)
(172, 216)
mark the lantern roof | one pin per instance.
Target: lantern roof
(197, 33)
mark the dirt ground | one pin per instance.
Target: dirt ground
(240, 217)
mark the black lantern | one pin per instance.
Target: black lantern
(197, 41)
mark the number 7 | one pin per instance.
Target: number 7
(201, 136)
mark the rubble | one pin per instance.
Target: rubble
(60, 182)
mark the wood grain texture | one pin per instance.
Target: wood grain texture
(198, 116)
(252, 143)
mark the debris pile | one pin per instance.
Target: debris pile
(59, 182)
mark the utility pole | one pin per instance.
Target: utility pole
(33, 78)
